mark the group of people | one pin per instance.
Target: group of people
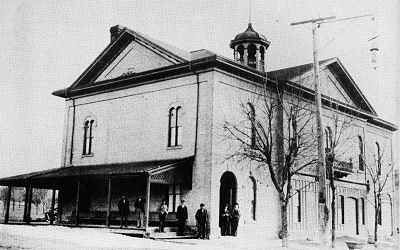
(229, 220)
(123, 207)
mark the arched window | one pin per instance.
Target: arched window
(175, 127)
(240, 50)
(252, 195)
(378, 157)
(251, 50)
(293, 135)
(252, 118)
(87, 137)
(361, 153)
(262, 55)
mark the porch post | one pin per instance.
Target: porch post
(53, 198)
(24, 218)
(7, 214)
(147, 202)
(77, 202)
(29, 204)
(109, 203)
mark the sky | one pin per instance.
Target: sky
(46, 45)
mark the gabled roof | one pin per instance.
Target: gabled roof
(109, 54)
(340, 72)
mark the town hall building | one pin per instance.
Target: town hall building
(147, 119)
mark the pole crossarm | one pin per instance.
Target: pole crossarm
(317, 20)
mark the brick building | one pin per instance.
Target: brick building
(146, 118)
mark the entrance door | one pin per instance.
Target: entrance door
(352, 216)
(227, 191)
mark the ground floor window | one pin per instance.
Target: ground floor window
(341, 208)
(174, 196)
(362, 211)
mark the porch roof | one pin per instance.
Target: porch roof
(104, 170)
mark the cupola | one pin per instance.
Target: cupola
(249, 48)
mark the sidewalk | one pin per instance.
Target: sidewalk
(59, 237)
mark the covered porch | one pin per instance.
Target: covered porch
(88, 195)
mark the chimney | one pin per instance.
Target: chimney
(115, 31)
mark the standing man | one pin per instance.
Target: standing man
(201, 219)
(123, 207)
(181, 216)
(163, 212)
(139, 211)
(225, 218)
(235, 219)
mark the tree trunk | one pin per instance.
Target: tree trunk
(333, 211)
(376, 220)
(284, 223)
(37, 209)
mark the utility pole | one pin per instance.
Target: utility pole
(322, 208)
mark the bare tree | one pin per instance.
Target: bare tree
(276, 135)
(338, 138)
(38, 196)
(379, 171)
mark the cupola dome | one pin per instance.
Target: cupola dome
(249, 48)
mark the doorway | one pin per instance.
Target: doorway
(227, 191)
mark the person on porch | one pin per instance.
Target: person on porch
(163, 212)
(139, 211)
(123, 207)
(225, 219)
(235, 219)
(202, 219)
(181, 216)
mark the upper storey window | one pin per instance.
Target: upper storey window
(378, 158)
(175, 127)
(328, 138)
(361, 154)
(88, 137)
(252, 117)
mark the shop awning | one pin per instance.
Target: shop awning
(163, 171)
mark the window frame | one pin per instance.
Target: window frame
(361, 154)
(252, 117)
(88, 126)
(175, 127)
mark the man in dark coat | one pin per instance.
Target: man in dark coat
(225, 219)
(181, 216)
(123, 207)
(235, 219)
(202, 219)
(139, 211)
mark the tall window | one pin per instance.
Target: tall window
(174, 195)
(342, 208)
(297, 205)
(252, 117)
(378, 157)
(175, 127)
(253, 189)
(361, 155)
(87, 137)
(362, 211)
(293, 130)
(328, 138)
